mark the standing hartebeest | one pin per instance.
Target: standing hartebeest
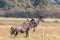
(25, 27)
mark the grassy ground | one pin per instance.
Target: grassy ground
(49, 30)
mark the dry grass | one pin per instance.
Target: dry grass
(45, 31)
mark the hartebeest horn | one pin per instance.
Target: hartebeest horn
(27, 17)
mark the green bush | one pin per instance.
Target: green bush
(56, 21)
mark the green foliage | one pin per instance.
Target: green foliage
(36, 2)
(56, 21)
(8, 15)
(57, 2)
(2, 4)
(22, 3)
(39, 2)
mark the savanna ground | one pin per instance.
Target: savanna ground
(48, 30)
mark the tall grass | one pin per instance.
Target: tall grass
(44, 31)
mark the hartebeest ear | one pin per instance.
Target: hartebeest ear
(40, 17)
(41, 20)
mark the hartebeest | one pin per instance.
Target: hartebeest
(25, 27)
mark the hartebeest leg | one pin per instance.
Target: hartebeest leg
(27, 32)
(34, 29)
(11, 32)
(16, 33)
